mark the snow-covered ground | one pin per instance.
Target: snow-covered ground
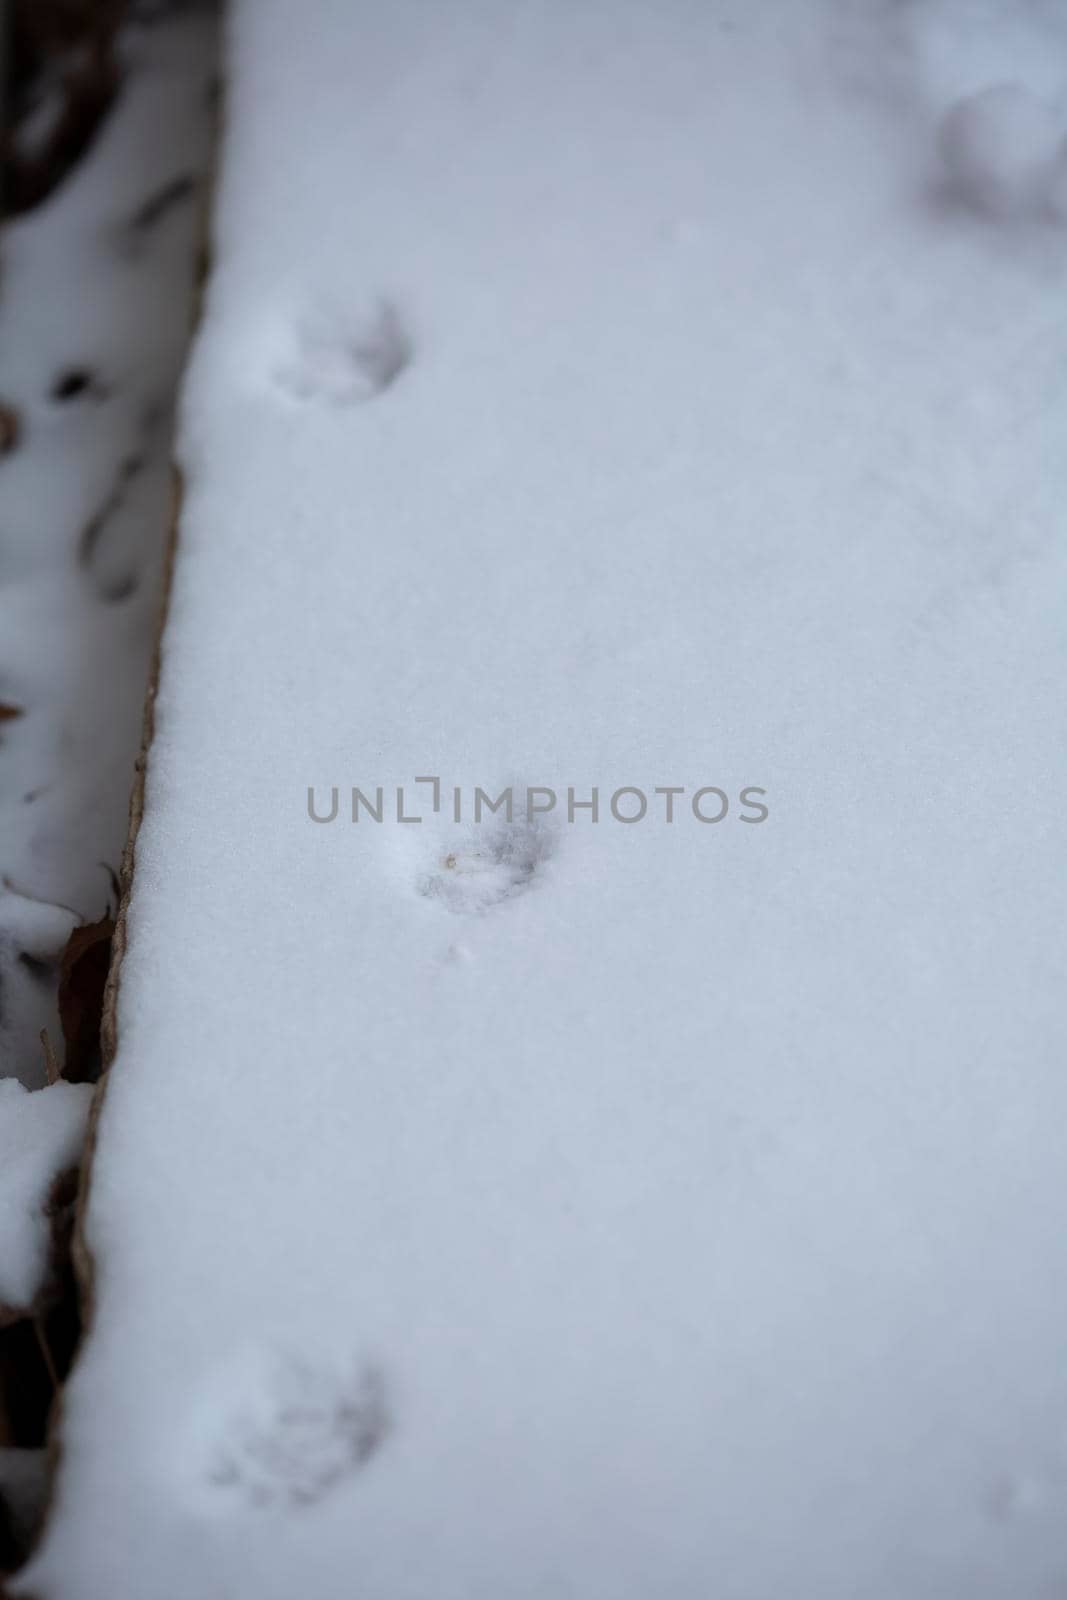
(95, 313)
(96, 301)
(40, 1135)
(634, 397)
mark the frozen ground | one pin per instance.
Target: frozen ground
(95, 308)
(629, 396)
(94, 322)
(40, 1136)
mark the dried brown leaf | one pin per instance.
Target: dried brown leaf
(10, 427)
(82, 976)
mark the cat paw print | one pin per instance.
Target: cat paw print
(283, 1431)
(1004, 152)
(346, 362)
(482, 866)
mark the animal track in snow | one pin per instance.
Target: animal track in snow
(1039, 1491)
(343, 364)
(1004, 151)
(284, 1431)
(991, 77)
(487, 863)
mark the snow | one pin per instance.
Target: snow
(615, 396)
(94, 320)
(41, 1137)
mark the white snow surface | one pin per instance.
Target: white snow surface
(40, 1137)
(680, 1211)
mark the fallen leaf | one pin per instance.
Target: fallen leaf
(9, 427)
(82, 975)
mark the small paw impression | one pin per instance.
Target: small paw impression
(1005, 154)
(339, 361)
(292, 1431)
(481, 866)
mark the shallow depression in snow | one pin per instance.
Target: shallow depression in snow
(339, 359)
(1005, 153)
(281, 1430)
(482, 865)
